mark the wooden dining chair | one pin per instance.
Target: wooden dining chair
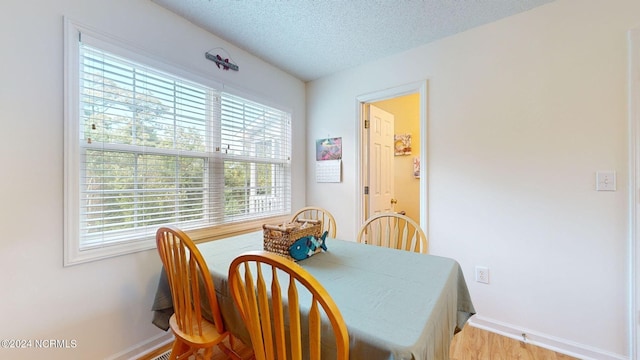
(317, 213)
(191, 284)
(394, 231)
(267, 289)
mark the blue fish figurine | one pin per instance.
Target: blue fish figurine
(307, 246)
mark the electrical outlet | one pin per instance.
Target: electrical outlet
(482, 274)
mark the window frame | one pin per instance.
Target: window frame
(74, 253)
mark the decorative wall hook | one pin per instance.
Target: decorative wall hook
(221, 63)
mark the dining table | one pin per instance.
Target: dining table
(396, 304)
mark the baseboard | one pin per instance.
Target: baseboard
(558, 345)
(143, 348)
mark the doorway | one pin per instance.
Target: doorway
(411, 196)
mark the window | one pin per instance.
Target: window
(146, 148)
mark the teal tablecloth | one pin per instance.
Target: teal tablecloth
(396, 304)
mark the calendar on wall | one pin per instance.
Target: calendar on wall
(328, 171)
(329, 160)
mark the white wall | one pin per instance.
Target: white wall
(103, 305)
(522, 113)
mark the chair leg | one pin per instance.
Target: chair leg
(206, 353)
(179, 348)
(231, 354)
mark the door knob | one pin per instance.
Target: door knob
(394, 201)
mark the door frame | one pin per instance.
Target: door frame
(420, 87)
(634, 190)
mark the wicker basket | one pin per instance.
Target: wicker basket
(278, 238)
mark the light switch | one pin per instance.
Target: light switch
(606, 181)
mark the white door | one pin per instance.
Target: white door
(381, 153)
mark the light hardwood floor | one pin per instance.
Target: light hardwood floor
(476, 344)
(470, 344)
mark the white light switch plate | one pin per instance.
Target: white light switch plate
(606, 181)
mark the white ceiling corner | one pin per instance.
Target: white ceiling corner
(314, 38)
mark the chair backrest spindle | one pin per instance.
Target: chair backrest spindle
(267, 315)
(394, 231)
(316, 213)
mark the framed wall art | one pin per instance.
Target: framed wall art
(402, 144)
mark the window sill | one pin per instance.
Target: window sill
(224, 231)
(73, 256)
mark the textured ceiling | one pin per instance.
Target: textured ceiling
(314, 38)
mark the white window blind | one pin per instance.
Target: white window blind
(256, 150)
(155, 149)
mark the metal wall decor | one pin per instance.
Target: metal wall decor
(221, 62)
